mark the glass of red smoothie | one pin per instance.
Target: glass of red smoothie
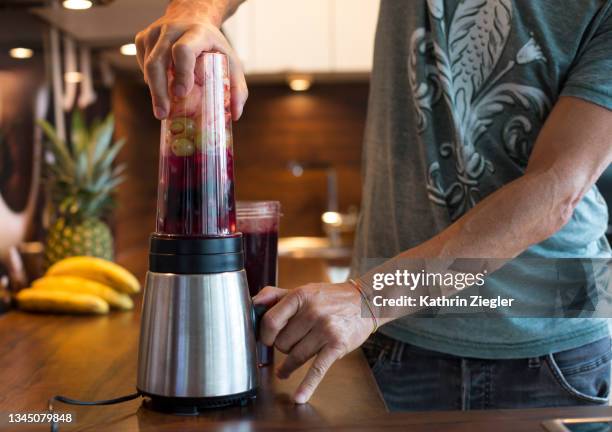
(258, 221)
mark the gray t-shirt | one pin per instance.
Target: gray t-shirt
(459, 93)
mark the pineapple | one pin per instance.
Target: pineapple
(81, 181)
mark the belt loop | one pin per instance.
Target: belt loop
(397, 351)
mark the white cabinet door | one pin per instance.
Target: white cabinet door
(354, 29)
(273, 36)
(239, 29)
(292, 35)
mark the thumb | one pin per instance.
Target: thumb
(269, 296)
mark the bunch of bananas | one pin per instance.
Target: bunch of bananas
(81, 284)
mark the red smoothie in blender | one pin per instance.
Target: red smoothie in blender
(196, 190)
(258, 221)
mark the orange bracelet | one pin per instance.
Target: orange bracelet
(365, 299)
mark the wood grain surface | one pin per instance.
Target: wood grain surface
(94, 358)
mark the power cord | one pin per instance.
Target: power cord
(69, 401)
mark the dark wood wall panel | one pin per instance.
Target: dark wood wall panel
(303, 198)
(135, 213)
(317, 129)
(322, 125)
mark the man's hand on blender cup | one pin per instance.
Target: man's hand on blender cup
(187, 29)
(322, 320)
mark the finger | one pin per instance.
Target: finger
(269, 296)
(303, 351)
(184, 54)
(156, 70)
(140, 50)
(238, 85)
(321, 364)
(277, 317)
(295, 330)
(148, 41)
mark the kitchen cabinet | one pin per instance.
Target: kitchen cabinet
(239, 30)
(313, 36)
(353, 35)
(291, 35)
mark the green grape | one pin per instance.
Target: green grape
(190, 128)
(176, 127)
(182, 146)
(183, 126)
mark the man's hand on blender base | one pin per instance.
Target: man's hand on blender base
(187, 29)
(322, 320)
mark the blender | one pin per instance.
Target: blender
(197, 341)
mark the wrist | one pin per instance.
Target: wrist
(367, 294)
(364, 300)
(212, 12)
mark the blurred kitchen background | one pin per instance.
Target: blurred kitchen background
(299, 141)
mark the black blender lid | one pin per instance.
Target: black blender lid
(181, 245)
(195, 255)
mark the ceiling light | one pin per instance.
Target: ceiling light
(128, 49)
(77, 4)
(21, 53)
(300, 83)
(73, 77)
(332, 218)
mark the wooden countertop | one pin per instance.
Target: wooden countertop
(94, 358)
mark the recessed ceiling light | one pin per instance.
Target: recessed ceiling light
(299, 83)
(332, 218)
(77, 4)
(73, 77)
(128, 49)
(21, 53)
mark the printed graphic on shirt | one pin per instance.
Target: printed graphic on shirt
(459, 66)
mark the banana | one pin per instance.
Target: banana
(40, 300)
(81, 285)
(99, 270)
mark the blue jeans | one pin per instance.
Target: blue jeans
(415, 379)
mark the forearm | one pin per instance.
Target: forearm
(522, 213)
(215, 11)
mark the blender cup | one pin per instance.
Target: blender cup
(196, 189)
(258, 222)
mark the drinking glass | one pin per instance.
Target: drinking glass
(258, 221)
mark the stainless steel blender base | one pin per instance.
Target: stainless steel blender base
(197, 346)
